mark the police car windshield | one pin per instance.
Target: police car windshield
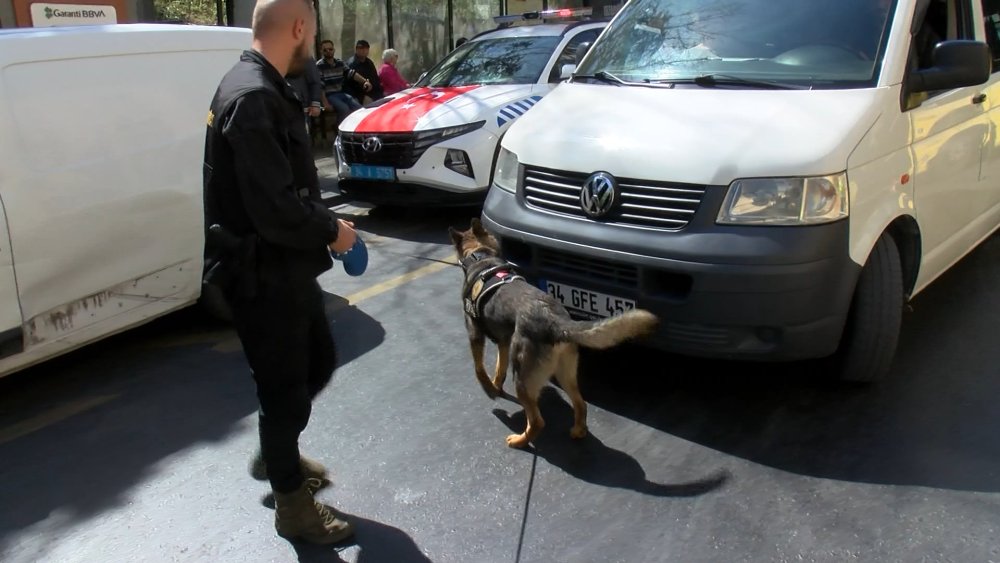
(804, 43)
(506, 60)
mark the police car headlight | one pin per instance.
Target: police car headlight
(338, 149)
(786, 201)
(505, 172)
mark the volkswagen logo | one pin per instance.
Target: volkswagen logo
(599, 195)
(372, 144)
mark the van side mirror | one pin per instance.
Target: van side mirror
(566, 71)
(956, 63)
(581, 50)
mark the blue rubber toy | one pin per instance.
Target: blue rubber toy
(355, 260)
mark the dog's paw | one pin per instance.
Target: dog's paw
(517, 440)
(578, 432)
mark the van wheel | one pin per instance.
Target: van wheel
(873, 323)
(215, 304)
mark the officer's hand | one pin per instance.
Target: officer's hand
(345, 237)
(368, 86)
(314, 111)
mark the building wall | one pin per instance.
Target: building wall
(17, 13)
(6, 13)
(422, 31)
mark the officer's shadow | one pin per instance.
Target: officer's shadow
(591, 460)
(376, 542)
(354, 332)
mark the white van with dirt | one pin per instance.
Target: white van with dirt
(101, 145)
(774, 178)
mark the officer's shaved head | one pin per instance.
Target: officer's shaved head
(269, 15)
(284, 32)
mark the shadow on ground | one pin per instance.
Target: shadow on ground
(931, 423)
(142, 396)
(589, 459)
(415, 224)
(378, 543)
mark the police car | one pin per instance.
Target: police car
(435, 143)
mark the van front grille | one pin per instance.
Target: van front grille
(644, 203)
(581, 267)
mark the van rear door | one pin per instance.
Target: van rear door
(11, 335)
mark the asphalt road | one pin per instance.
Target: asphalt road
(135, 449)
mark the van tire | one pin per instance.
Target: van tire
(871, 334)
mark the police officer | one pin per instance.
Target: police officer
(261, 190)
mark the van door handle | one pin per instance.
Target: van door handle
(979, 98)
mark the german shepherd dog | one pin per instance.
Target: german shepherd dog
(530, 328)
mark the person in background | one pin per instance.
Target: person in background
(361, 76)
(392, 81)
(262, 207)
(460, 41)
(309, 87)
(331, 72)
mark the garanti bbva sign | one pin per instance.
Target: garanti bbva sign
(50, 15)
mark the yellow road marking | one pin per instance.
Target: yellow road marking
(382, 287)
(232, 344)
(51, 416)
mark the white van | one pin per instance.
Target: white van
(102, 134)
(774, 178)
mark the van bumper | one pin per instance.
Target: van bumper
(735, 292)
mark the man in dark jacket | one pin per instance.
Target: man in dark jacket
(360, 64)
(262, 208)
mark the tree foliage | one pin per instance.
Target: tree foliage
(186, 11)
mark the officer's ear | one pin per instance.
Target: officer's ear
(298, 29)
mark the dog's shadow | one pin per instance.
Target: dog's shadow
(589, 459)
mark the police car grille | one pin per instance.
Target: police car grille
(644, 203)
(399, 150)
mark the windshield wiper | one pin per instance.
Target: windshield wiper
(603, 76)
(713, 80)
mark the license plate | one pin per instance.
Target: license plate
(367, 172)
(592, 303)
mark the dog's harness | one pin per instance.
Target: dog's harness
(487, 282)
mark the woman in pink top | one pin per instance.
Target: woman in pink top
(392, 81)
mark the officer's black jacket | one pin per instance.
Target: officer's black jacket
(260, 177)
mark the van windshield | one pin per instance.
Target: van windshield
(508, 60)
(808, 43)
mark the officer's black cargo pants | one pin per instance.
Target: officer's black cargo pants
(286, 338)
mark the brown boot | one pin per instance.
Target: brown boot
(297, 516)
(311, 469)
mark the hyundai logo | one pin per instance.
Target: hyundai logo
(372, 144)
(599, 195)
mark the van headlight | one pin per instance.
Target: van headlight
(505, 173)
(786, 201)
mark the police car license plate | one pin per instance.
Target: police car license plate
(368, 172)
(585, 301)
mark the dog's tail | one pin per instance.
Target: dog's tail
(609, 332)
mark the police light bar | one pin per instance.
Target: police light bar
(544, 15)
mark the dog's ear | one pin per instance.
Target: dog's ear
(483, 236)
(477, 228)
(456, 237)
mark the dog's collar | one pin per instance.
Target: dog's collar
(486, 284)
(474, 257)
